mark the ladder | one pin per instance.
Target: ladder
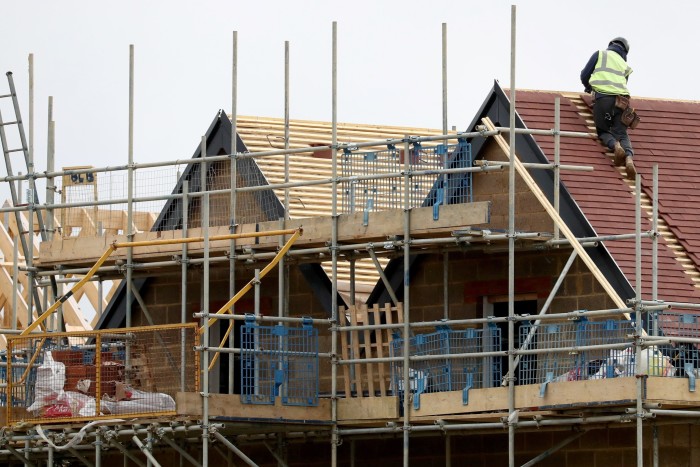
(25, 237)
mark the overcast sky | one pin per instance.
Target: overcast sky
(389, 62)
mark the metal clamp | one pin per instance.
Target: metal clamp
(416, 401)
(440, 198)
(467, 387)
(548, 379)
(368, 207)
(690, 372)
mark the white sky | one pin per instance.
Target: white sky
(389, 62)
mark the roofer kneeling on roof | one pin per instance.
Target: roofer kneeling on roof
(606, 74)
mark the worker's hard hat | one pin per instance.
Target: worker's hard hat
(623, 42)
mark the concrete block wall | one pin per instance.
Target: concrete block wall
(472, 276)
(163, 297)
(493, 186)
(679, 445)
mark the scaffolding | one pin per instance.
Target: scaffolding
(280, 353)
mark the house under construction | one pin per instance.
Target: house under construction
(271, 300)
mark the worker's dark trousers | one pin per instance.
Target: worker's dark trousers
(608, 124)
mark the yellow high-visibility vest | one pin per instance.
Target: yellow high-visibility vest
(610, 74)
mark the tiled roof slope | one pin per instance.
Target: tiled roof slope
(668, 135)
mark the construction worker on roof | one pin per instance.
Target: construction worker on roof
(606, 75)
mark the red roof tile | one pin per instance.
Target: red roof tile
(668, 135)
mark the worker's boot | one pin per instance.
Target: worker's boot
(629, 166)
(619, 154)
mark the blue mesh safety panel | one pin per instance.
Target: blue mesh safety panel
(279, 361)
(564, 360)
(448, 374)
(425, 189)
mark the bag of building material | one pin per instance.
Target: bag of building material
(89, 409)
(418, 381)
(156, 402)
(78, 402)
(655, 363)
(50, 378)
(622, 363)
(129, 400)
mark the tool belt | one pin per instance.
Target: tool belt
(622, 102)
(629, 116)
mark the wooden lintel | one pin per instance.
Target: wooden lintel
(230, 406)
(317, 231)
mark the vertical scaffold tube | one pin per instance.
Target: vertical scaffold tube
(15, 281)
(444, 80)
(334, 250)
(31, 198)
(557, 155)
(286, 128)
(30, 146)
(655, 248)
(98, 448)
(655, 237)
(511, 253)
(281, 276)
(183, 280)
(130, 201)
(50, 225)
(638, 320)
(281, 279)
(50, 167)
(446, 254)
(183, 287)
(233, 200)
(406, 303)
(205, 302)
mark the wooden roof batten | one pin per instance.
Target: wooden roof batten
(75, 317)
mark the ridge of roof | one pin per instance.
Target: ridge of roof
(304, 122)
(635, 97)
